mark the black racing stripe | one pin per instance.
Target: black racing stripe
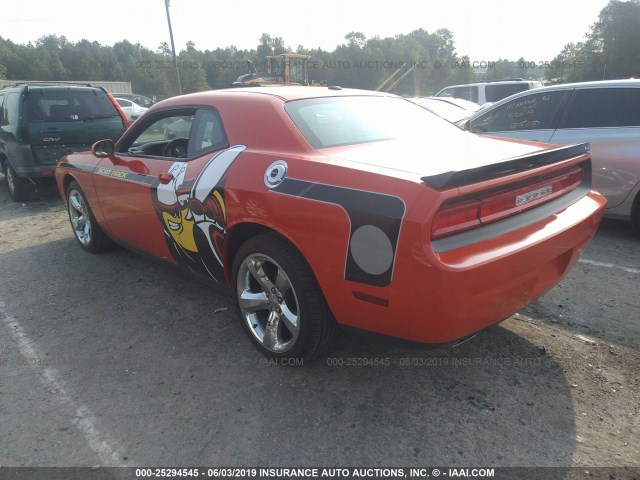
(125, 175)
(117, 173)
(518, 164)
(348, 198)
(385, 212)
(78, 166)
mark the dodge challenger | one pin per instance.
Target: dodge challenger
(323, 206)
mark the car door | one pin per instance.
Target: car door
(147, 156)
(609, 119)
(161, 192)
(533, 116)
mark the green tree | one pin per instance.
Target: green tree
(610, 51)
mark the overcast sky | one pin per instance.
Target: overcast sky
(483, 29)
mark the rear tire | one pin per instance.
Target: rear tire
(85, 228)
(280, 303)
(18, 190)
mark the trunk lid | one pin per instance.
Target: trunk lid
(454, 152)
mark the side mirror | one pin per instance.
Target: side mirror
(466, 125)
(103, 148)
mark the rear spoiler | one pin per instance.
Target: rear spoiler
(453, 179)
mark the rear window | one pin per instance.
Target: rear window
(68, 105)
(337, 121)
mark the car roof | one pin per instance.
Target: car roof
(592, 84)
(283, 92)
(508, 81)
(631, 82)
(52, 86)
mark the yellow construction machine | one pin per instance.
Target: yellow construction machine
(286, 68)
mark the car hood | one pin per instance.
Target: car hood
(458, 152)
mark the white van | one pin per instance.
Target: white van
(484, 92)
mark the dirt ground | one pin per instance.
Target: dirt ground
(136, 352)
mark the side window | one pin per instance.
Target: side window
(11, 109)
(473, 95)
(167, 136)
(466, 93)
(532, 112)
(447, 92)
(208, 132)
(2, 111)
(604, 107)
(123, 103)
(493, 93)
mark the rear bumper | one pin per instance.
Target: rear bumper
(26, 166)
(443, 297)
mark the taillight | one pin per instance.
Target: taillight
(484, 208)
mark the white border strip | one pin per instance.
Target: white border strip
(84, 420)
(608, 265)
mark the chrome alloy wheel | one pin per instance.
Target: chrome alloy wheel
(79, 216)
(268, 303)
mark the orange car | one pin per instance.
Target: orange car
(324, 206)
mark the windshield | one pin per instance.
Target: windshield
(337, 121)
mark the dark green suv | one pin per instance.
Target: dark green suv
(41, 123)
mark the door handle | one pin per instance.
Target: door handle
(165, 178)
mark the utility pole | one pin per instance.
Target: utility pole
(173, 47)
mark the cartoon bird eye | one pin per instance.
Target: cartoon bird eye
(209, 212)
(195, 206)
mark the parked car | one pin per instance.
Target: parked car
(131, 109)
(141, 100)
(323, 205)
(40, 123)
(449, 108)
(493, 91)
(604, 113)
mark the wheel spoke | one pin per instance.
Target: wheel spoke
(290, 320)
(270, 338)
(282, 282)
(251, 302)
(75, 203)
(256, 267)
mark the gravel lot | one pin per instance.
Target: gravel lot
(114, 360)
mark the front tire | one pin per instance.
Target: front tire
(84, 225)
(279, 300)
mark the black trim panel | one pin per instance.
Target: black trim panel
(453, 179)
(379, 211)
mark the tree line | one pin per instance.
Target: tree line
(611, 50)
(359, 62)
